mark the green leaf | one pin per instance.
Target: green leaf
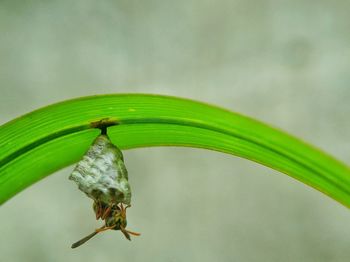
(46, 140)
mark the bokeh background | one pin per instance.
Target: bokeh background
(283, 62)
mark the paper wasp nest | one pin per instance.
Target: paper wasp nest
(101, 174)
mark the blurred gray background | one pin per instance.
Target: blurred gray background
(283, 62)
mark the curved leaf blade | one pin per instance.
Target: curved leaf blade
(48, 139)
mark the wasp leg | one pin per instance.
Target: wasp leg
(99, 210)
(106, 213)
(127, 233)
(104, 228)
(123, 209)
(133, 233)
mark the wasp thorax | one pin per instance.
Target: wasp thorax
(102, 175)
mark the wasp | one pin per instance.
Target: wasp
(101, 174)
(115, 218)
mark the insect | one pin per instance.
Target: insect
(102, 176)
(114, 219)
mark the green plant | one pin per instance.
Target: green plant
(39, 143)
